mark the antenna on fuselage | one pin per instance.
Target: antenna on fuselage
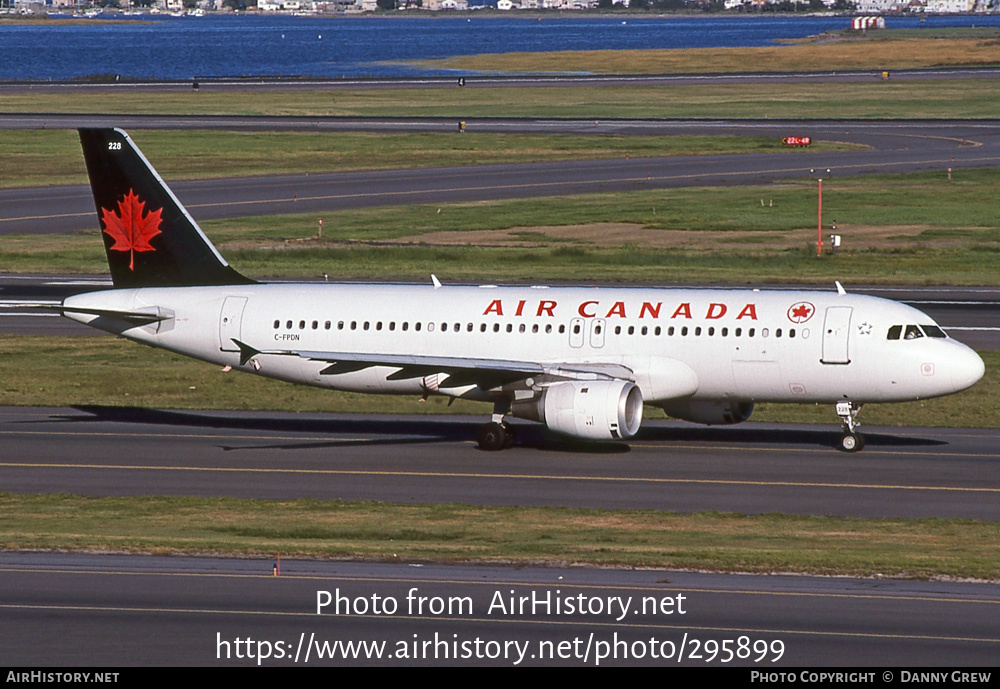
(840, 288)
(435, 281)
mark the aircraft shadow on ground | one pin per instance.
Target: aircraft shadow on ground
(391, 430)
(784, 436)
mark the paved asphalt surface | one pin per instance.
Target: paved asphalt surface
(157, 611)
(752, 468)
(491, 81)
(896, 146)
(153, 611)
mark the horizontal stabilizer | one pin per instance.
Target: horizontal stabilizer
(138, 316)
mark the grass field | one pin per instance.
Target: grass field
(914, 229)
(875, 51)
(915, 548)
(38, 157)
(909, 99)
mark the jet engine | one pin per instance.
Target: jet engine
(595, 410)
(709, 412)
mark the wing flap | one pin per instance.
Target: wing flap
(461, 371)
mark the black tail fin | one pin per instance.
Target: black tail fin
(150, 239)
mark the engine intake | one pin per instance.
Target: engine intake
(595, 410)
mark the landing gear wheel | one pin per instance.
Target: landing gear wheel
(492, 436)
(509, 435)
(852, 442)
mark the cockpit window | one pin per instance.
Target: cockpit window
(912, 333)
(894, 332)
(933, 331)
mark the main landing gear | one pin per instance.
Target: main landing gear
(497, 434)
(850, 440)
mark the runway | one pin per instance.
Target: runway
(473, 81)
(157, 611)
(752, 468)
(893, 146)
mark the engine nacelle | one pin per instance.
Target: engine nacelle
(709, 412)
(595, 410)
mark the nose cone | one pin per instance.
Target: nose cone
(965, 368)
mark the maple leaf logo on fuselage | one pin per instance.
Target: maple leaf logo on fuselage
(801, 312)
(130, 229)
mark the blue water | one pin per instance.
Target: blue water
(231, 46)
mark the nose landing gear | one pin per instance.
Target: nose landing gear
(850, 440)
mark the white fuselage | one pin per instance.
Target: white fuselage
(697, 344)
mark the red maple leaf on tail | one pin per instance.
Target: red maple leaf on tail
(130, 229)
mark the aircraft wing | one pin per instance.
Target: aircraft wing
(462, 371)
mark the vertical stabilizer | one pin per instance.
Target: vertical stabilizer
(150, 239)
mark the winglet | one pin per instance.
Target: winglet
(246, 351)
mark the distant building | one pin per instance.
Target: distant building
(877, 6)
(949, 6)
(438, 5)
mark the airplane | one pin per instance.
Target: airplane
(583, 361)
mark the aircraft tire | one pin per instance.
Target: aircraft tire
(492, 437)
(851, 442)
